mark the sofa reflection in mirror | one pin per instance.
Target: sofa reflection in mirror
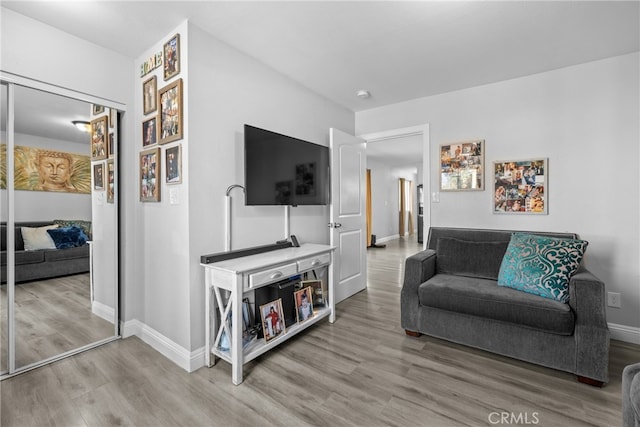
(46, 249)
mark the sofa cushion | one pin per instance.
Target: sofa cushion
(68, 237)
(69, 253)
(467, 258)
(484, 298)
(18, 232)
(541, 265)
(37, 238)
(25, 257)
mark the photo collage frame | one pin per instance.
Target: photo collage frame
(162, 124)
(103, 147)
(520, 186)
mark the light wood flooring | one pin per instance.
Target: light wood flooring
(361, 371)
(52, 316)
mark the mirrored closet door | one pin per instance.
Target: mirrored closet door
(58, 207)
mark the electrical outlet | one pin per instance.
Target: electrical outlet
(614, 300)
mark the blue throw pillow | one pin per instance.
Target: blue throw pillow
(68, 237)
(541, 265)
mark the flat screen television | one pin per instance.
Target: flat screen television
(282, 170)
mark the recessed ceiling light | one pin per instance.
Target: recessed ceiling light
(363, 94)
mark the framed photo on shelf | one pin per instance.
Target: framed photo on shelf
(98, 176)
(173, 162)
(170, 114)
(112, 117)
(149, 173)
(99, 137)
(462, 166)
(171, 52)
(111, 180)
(149, 95)
(318, 292)
(304, 305)
(272, 319)
(149, 132)
(520, 186)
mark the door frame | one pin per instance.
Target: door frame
(426, 161)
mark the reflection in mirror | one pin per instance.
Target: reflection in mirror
(65, 225)
(4, 308)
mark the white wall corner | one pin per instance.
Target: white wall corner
(103, 311)
(187, 360)
(624, 333)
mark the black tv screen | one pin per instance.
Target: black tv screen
(282, 170)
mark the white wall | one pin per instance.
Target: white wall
(162, 228)
(104, 245)
(384, 199)
(234, 89)
(585, 119)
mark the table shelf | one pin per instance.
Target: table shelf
(236, 277)
(258, 346)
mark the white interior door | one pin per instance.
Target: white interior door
(347, 216)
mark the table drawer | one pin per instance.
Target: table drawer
(314, 262)
(272, 275)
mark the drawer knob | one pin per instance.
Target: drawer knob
(316, 262)
(276, 275)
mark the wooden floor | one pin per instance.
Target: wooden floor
(360, 371)
(52, 316)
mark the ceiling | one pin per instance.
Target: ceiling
(397, 50)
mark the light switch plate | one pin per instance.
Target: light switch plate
(174, 198)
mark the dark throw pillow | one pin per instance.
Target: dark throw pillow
(68, 237)
(468, 258)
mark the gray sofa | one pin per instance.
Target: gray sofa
(459, 300)
(41, 264)
(631, 396)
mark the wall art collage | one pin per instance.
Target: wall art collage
(520, 186)
(162, 123)
(102, 140)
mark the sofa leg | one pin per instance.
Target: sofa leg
(412, 333)
(590, 381)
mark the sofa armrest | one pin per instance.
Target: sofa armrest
(418, 269)
(631, 395)
(587, 300)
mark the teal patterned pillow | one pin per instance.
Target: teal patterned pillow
(541, 265)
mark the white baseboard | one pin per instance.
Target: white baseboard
(624, 333)
(386, 239)
(191, 361)
(103, 311)
(187, 360)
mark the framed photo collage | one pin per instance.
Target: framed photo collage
(162, 124)
(102, 141)
(519, 187)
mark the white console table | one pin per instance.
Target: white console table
(245, 274)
